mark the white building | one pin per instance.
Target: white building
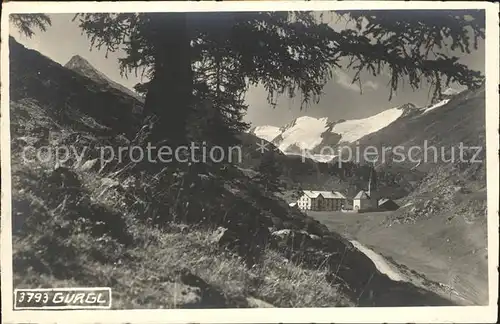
(365, 200)
(321, 200)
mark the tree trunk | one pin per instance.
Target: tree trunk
(169, 95)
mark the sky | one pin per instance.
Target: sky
(341, 98)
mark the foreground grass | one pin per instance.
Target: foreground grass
(89, 234)
(149, 278)
(153, 271)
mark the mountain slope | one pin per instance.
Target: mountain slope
(304, 133)
(311, 134)
(75, 220)
(441, 230)
(77, 223)
(307, 173)
(445, 125)
(321, 137)
(82, 66)
(352, 130)
(267, 133)
(90, 104)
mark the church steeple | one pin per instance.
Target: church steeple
(370, 184)
(372, 180)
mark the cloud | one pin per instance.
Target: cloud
(345, 80)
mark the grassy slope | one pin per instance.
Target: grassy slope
(87, 233)
(436, 252)
(148, 273)
(442, 232)
(81, 226)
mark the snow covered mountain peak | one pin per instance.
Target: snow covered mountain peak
(320, 138)
(308, 133)
(267, 132)
(303, 133)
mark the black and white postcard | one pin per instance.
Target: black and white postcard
(249, 162)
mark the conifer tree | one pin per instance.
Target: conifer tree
(269, 173)
(286, 52)
(27, 23)
(200, 65)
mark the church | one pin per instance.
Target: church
(365, 200)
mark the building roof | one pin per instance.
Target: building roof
(336, 195)
(385, 200)
(325, 194)
(362, 195)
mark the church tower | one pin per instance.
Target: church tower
(372, 185)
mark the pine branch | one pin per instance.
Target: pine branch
(26, 23)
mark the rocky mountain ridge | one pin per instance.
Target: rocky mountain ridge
(319, 135)
(83, 67)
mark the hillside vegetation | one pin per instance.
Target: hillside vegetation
(440, 231)
(346, 176)
(82, 223)
(446, 215)
(79, 224)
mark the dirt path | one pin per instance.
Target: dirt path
(382, 265)
(428, 254)
(396, 273)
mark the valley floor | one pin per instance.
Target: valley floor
(432, 254)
